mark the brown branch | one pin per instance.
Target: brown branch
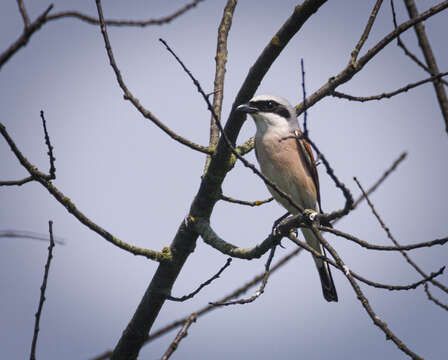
(366, 31)
(352, 69)
(248, 203)
(430, 59)
(260, 291)
(221, 60)
(367, 245)
(366, 281)
(137, 23)
(42, 292)
(50, 154)
(405, 49)
(392, 238)
(246, 147)
(25, 17)
(434, 300)
(182, 333)
(16, 182)
(128, 95)
(28, 31)
(206, 309)
(382, 178)
(28, 235)
(204, 284)
(164, 255)
(365, 303)
(387, 95)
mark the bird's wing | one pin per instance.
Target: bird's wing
(305, 149)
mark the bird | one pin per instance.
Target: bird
(287, 160)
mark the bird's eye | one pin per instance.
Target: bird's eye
(270, 104)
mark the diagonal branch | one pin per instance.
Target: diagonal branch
(182, 333)
(142, 23)
(25, 17)
(352, 69)
(164, 255)
(128, 95)
(387, 95)
(430, 59)
(23, 39)
(42, 292)
(366, 31)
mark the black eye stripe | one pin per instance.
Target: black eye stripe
(271, 106)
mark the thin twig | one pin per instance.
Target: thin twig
(386, 95)
(24, 37)
(206, 309)
(382, 178)
(204, 284)
(128, 95)
(221, 60)
(25, 17)
(29, 235)
(137, 23)
(43, 179)
(392, 238)
(182, 333)
(16, 182)
(367, 245)
(248, 203)
(434, 300)
(352, 69)
(50, 147)
(260, 291)
(365, 303)
(42, 292)
(430, 59)
(366, 31)
(405, 49)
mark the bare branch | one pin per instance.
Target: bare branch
(29, 235)
(366, 31)
(248, 203)
(367, 245)
(142, 23)
(221, 60)
(42, 292)
(164, 255)
(260, 291)
(16, 182)
(128, 95)
(246, 147)
(345, 269)
(387, 95)
(204, 284)
(352, 69)
(52, 171)
(182, 333)
(206, 309)
(382, 178)
(434, 300)
(430, 60)
(365, 303)
(392, 238)
(25, 17)
(23, 39)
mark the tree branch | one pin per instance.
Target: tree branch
(430, 59)
(182, 333)
(25, 17)
(248, 203)
(128, 95)
(387, 95)
(42, 292)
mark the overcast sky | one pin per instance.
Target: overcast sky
(136, 182)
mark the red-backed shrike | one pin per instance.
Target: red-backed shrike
(288, 161)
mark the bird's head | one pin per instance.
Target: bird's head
(270, 111)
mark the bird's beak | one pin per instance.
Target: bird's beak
(246, 108)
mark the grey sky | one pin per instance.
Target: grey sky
(136, 182)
